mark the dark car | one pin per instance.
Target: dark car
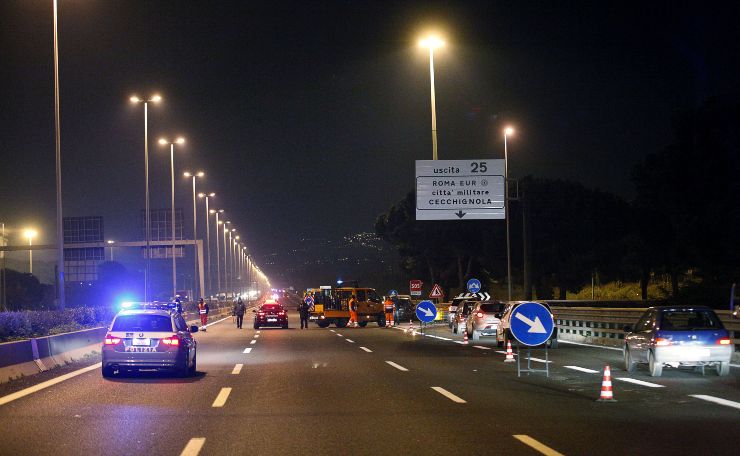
(270, 314)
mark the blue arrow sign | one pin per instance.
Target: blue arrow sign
(392, 293)
(308, 300)
(426, 311)
(532, 323)
(474, 285)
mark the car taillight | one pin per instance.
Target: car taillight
(479, 315)
(261, 314)
(172, 341)
(110, 340)
(662, 342)
(724, 341)
(281, 313)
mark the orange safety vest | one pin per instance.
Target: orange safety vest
(202, 309)
(389, 305)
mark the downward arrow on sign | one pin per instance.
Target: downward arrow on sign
(534, 326)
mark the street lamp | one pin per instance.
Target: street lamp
(164, 142)
(110, 244)
(508, 131)
(237, 251)
(30, 234)
(195, 232)
(432, 42)
(231, 252)
(147, 222)
(226, 267)
(208, 238)
(218, 256)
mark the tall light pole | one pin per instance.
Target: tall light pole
(231, 260)
(30, 234)
(3, 242)
(164, 142)
(507, 132)
(218, 257)
(147, 215)
(208, 238)
(237, 254)
(226, 267)
(195, 232)
(110, 244)
(58, 155)
(432, 43)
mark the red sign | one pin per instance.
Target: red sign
(436, 291)
(415, 286)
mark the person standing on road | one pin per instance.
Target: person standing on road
(303, 310)
(203, 311)
(389, 307)
(352, 304)
(239, 310)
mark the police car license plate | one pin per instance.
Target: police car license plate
(140, 349)
(142, 342)
(272, 319)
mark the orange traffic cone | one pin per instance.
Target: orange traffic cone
(465, 338)
(509, 353)
(607, 395)
(411, 326)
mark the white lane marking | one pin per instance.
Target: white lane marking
(237, 369)
(259, 332)
(350, 341)
(481, 347)
(539, 360)
(582, 369)
(256, 336)
(214, 323)
(252, 342)
(397, 366)
(247, 350)
(30, 390)
(541, 447)
(221, 398)
(460, 342)
(443, 338)
(639, 382)
(366, 349)
(717, 400)
(339, 335)
(589, 345)
(503, 352)
(193, 447)
(332, 330)
(448, 395)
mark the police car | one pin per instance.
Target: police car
(149, 336)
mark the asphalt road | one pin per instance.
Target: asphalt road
(373, 391)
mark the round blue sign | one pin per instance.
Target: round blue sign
(474, 285)
(426, 311)
(308, 300)
(531, 323)
(392, 293)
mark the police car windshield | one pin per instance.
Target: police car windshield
(156, 323)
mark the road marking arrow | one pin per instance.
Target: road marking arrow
(427, 311)
(534, 326)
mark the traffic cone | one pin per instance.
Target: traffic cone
(509, 353)
(465, 338)
(607, 395)
(411, 326)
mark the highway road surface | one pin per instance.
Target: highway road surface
(370, 391)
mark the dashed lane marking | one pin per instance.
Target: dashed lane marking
(259, 332)
(481, 347)
(221, 398)
(332, 330)
(237, 369)
(339, 335)
(541, 447)
(252, 342)
(350, 341)
(25, 392)
(397, 366)
(448, 395)
(581, 369)
(639, 382)
(256, 336)
(193, 447)
(717, 400)
(366, 349)
(247, 350)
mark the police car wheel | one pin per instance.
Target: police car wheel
(193, 367)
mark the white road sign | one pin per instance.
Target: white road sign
(459, 189)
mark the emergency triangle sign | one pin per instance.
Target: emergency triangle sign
(436, 291)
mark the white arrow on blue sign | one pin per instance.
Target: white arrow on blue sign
(426, 311)
(532, 323)
(474, 285)
(392, 293)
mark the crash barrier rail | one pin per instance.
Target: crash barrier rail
(600, 326)
(31, 356)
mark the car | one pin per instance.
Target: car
(461, 315)
(484, 319)
(503, 332)
(452, 310)
(678, 336)
(149, 336)
(405, 309)
(270, 314)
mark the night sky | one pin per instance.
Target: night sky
(307, 116)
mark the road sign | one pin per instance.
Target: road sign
(459, 189)
(308, 300)
(392, 293)
(474, 285)
(415, 287)
(531, 323)
(481, 295)
(426, 311)
(436, 291)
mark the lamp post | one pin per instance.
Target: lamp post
(195, 232)
(226, 267)
(208, 238)
(147, 215)
(507, 132)
(237, 253)
(432, 43)
(218, 255)
(110, 244)
(30, 234)
(231, 260)
(58, 168)
(164, 142)
(3, 242)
